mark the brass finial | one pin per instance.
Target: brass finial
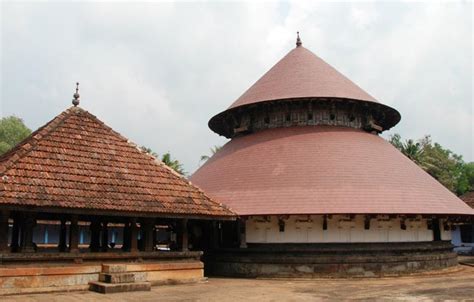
(75, 100)
(298, 40)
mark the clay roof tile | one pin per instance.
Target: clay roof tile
(76, 161)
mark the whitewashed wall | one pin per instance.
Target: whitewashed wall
(300, 229)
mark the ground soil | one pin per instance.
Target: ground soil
(452, 285)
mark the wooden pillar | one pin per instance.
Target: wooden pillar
(154, 237)
(148, 239)
(105, 237)
(126, 237)
(62, 236)
(214, 235)
(184, 235)
(242, 239)
(4, 231)
(436, 229)
(133, 236)
(27, 245)
(14, 247)
(74, 235)
(95, 236)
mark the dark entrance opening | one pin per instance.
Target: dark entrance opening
(436, 230)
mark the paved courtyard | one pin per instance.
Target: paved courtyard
(453, 286)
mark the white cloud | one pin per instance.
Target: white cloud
(156, 72)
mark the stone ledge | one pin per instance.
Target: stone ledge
(42, 290)
(94, 257)
(69, 269)
(44, 277)
(345, 260)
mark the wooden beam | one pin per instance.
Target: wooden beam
(96, 213)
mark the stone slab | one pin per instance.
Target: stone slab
(117, 277)
(114, 268)
(109, 288)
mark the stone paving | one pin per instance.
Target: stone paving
(457, 285)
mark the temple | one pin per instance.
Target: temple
(318, 191)
(116, 209)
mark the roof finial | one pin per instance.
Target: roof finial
(298, 40)
(76, 96)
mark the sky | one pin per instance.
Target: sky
(156, 72)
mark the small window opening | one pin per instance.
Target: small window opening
(281, 226)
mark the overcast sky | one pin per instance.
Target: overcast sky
(157, 72)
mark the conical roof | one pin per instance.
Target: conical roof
(77, 163)
(321, 170)
(302, 74)
(317, 169)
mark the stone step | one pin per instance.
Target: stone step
(117, 278)
(109, 288)
(114, 268)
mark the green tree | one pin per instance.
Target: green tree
(173, 163)
(166, 159)
(12, 131)
(214, 150)
(411, 149)
(149, 151)
(444, 165)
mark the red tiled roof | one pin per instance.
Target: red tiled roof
(302, 74)
(468, 198)
(321, 170)
(77, 162)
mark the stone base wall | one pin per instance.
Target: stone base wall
(50, 276)
(331, 260)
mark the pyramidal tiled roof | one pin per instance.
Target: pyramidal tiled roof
(77, 162)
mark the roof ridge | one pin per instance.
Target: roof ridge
(30, 142)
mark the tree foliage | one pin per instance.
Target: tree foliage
(446, 166)
(167, 160)
(214, 150)
(173, 163)
(12, 131)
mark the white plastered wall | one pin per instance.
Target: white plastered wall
(309, 229)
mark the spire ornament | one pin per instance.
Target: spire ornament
(298, 40)
(75, 100)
